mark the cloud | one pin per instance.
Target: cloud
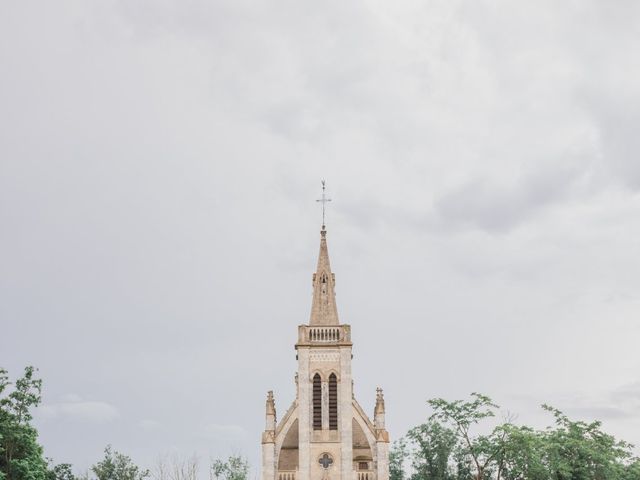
(598, 412)
(617, 120)
(493, 207)
(75, 408)
(216, 431)
(628, 395)
(619, 403)
(148, 424)
(143, 147)
(71, 398)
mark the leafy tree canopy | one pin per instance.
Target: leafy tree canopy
(449, 447)
(117, 466)
(21, 457)
(236, 467)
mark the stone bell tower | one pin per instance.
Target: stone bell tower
(325, 433)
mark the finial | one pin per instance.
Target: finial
(271, 404)
(379, 401)
(323, 200)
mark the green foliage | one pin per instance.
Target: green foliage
(579, 450)
(62, 471)
(397, 456)
(435, 445)
(478, 453)
(447, 447)
(21, 457)
(235, 467)
(523, 454)
(117, 466)
(632, 471)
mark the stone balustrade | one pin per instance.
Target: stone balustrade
(364, 475)
(339, 334)
(286, 475)
(324, 334)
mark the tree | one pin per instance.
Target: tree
(176, 468)
(397, 457)
(446, 448)
(578, 450)
(632, 471)
(481, 452)
(434, 445)
(62, 471)
(21, 457)
(236, 467)
(117, 466)
(523, 454)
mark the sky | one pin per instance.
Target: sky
(159, 166)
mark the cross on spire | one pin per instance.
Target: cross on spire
(323, 199)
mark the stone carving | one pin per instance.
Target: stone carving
(324, 356)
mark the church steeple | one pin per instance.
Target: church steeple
(323, 308)
(325, 434)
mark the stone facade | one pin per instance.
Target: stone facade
(325, 434)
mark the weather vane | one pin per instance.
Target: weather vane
(323, 200)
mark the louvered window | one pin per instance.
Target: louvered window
(333, 402)
(317, 402)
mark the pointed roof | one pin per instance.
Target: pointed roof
(323, 308)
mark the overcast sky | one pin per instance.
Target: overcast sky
(159, 165)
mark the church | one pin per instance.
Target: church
(325, 434)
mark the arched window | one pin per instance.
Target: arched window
(333, 402)
(317, 402)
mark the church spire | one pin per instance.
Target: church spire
(323, 308)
